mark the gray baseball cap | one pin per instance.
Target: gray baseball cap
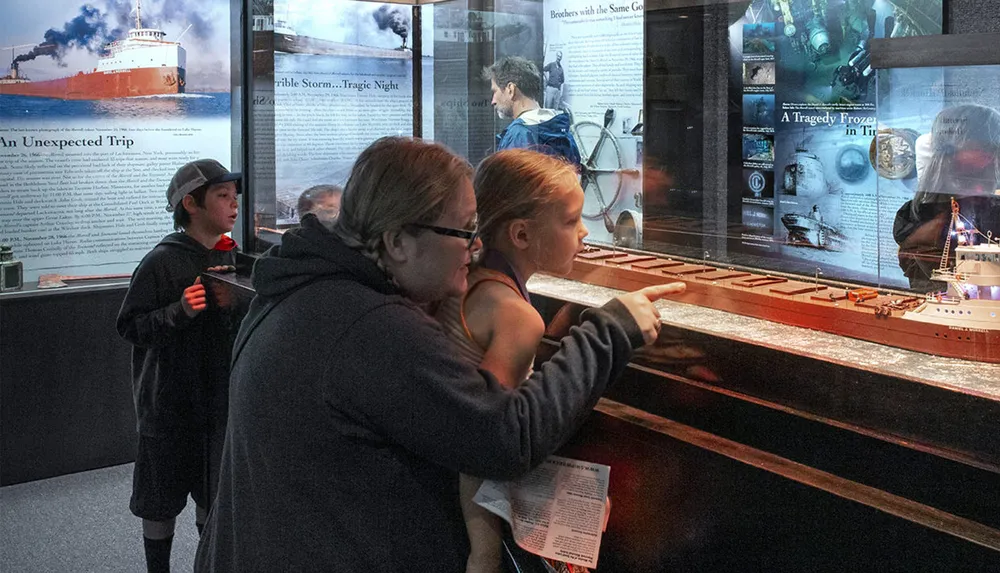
(194, 176)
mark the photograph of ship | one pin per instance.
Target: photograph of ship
(809, 230)
(804, 174)
(105, 59)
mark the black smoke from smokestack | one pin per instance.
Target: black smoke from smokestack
(178, 11)
(392, 18)
(155, 15)
(88, 31)
(91, 29)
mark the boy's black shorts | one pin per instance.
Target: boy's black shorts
(167, 469)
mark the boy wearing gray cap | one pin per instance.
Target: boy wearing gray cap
(180, 355)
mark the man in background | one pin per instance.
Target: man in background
(517, 86)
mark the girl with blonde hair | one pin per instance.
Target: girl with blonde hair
(530, 207)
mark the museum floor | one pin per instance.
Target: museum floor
(81, 522)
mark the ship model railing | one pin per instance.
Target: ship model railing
(941, 298)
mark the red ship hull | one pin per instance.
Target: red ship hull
(797, 303)
(104, 85)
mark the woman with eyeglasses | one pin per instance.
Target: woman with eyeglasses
(351, 413)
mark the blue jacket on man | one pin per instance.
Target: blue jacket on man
(545, 130)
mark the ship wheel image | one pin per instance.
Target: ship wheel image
(601, 170)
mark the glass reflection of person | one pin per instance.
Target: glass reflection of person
(555, 77)
(960, 159)
(323, 201)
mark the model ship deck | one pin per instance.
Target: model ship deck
(860, 312)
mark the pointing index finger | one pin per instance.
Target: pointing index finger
(656, 292)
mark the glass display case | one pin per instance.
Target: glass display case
(757, 151)
(841, 211)
(751, 148)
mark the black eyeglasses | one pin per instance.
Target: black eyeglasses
(469, 235)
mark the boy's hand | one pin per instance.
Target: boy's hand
(640, 304)
(193, 299)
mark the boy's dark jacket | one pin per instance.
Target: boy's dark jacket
(179, 363)
(351, 415)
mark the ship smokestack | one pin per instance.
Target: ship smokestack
(392, 18)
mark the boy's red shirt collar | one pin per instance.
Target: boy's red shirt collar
(225, 243)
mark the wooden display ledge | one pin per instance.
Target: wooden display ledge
(949, 407)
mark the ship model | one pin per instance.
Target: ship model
(142, 64)
(960, 322)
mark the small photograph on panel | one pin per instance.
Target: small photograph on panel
(758, 147)
(813, 227)
(758, 73)
(804, 175)
(758, 219)
(758, 184)
(758, 110)
(758, 39)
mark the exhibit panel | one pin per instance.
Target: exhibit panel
(878, 234)
(99, 105)
(329, 78)
(332, 77)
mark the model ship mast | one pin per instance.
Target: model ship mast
(952, 228)
(963, 232)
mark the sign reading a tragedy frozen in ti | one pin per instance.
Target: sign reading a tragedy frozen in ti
(801, 72)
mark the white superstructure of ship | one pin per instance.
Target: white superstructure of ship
(972, 299)
(142, 64)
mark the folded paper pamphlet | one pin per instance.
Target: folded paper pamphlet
(557, 510)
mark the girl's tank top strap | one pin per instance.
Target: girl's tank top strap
(477, 277)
